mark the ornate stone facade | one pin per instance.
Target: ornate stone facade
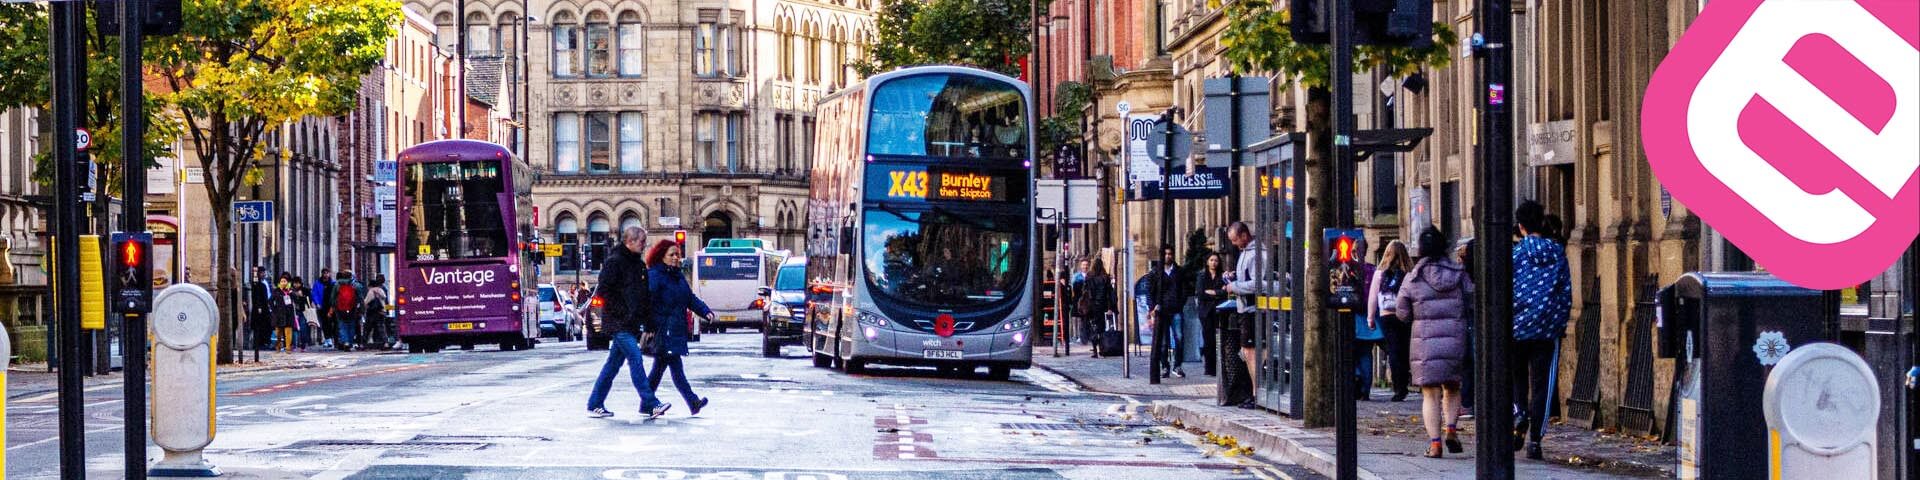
(644, 110)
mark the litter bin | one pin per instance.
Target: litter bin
(1728, 330)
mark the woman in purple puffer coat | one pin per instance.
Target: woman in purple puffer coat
(1434, 299)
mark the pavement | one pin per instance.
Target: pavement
(33, 380)
(492, 415)
(1392, 442)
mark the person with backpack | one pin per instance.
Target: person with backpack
(345, 307)
(375, 330)
(322, 307)
(1382, 312)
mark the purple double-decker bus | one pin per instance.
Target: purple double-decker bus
(463, 208)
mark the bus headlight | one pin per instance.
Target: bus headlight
(1017, 324)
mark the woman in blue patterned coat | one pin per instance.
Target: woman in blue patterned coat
(672, 299)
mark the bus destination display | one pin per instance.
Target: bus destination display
(946, 184)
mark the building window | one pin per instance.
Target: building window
(717, 141)
(813, 60)
(786, 56)
(600, 142)
(783, 141)
(599, 235)
(1162, 20)
(566, 143)
(479, 35)
(508, 34)
(730, 45)
(703, 45)
(633, 44)
(567, 234)
(566, 46)
(806, 143)
(599, 62)
(633, 150)
(839, 64)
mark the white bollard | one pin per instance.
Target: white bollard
(1822, 405)
(183, 323)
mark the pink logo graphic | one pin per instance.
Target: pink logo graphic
(1793, 127)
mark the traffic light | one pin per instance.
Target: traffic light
(1343, 249)
(1343, 272)
(680, 238)
(163, 18)
(1401, 23)
(132, 280)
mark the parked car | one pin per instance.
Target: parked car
(785, 307)
(557, 318)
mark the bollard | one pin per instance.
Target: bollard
(1822, 405)
(183, 421)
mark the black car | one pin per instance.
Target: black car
(785, 307)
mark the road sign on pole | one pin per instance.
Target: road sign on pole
(253, 212)
(82, 139)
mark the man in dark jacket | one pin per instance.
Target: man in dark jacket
(260, 309)
(1167, 296)
(627, 313)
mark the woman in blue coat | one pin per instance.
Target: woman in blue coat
(672, 299)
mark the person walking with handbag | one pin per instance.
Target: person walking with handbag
(374, 329)
(672, 299)
(1096, 303)
(1383, 302)
(627, 311)
(1434, 299)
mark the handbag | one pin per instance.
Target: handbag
(313, 321)
(649, 344)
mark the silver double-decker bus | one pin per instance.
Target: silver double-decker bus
(920, 223)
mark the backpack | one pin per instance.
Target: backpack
(1390, 290)
(344, 299)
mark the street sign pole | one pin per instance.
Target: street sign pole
(133, 218)
(66, 26)
(1166, 239)
(1346, 449)
(1493, 246)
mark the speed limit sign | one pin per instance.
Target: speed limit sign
(82, 139)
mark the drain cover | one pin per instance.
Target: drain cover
(340, 445)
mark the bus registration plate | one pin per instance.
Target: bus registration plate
(460, 326)
(942, 354)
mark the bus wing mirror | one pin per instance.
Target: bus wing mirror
(846, 240)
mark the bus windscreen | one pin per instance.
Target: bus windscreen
(715, 267)
(456, 210)
(954, 116)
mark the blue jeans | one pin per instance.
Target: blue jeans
(624, 348)
(660, 364)
(348, 324)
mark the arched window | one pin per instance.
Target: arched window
(838, 60)
(631, 220)
(599, 237)
(786, 50)
(599, 46)
(444, 30)
(566, 232)
(813, 54)
(509, 29)
(633, 45)
(479, 35)
(566, 46)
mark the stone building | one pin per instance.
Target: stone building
(639, 112)
(25, 303)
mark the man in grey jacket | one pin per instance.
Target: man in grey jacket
(1247, 284)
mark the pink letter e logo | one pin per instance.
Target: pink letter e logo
(1793, 127)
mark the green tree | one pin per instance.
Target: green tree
(27, 83)
(242, 68)
(1257, 40)
(986, 34)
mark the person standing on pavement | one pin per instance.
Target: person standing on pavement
(1096, 301)
(1434, 299)
(1075, 289)
(1382, 312)
(1167, 292)
(626, 311)
(260, 309)
(322, 292)
(346, 309)
(1463, 254)
(1248, 285)
(1210, 286)
(1367, 336)
(286, 311)
(301, 302)
(1542, 301)
(672, 299)
(375, 331)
